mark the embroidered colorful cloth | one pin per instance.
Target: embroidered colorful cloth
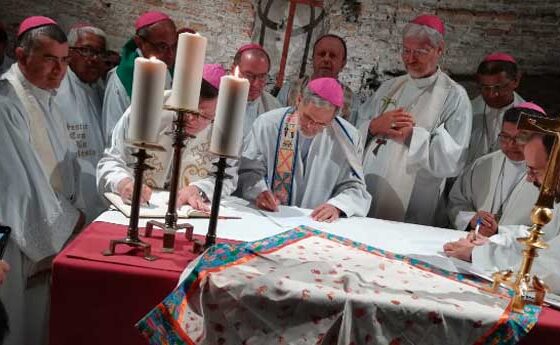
(305, 286)
(286, 158)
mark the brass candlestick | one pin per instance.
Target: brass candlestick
(132, 239)
(170, 226)
(524, 285)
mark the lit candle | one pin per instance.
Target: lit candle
(227, 132)
(189, 61)
(147, 99)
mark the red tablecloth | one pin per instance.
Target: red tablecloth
(97, 299)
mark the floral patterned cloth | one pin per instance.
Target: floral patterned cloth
(305, 286)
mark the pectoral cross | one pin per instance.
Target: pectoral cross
(386, 102)
(524, 285)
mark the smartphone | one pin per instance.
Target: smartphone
(4, 236)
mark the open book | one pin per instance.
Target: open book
(158, 207)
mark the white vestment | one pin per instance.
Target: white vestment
(406, 180)
(487, 124)
(40, 211)
(503, 251)
(81, 107)
(290, 90)
(6, 64)
(325, 176)
(196, 161)
(116, 101)
(264, 103)
(493, 184)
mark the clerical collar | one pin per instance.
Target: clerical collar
(498, 110)
(516, 164)
(425, 82)
(34, 90)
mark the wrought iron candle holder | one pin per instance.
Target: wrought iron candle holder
(531, 289)
(132, 239)
(220, 175)
(170, 225)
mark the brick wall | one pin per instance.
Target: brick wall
(526, 28)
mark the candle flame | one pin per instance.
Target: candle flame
(236, 72)
(153, 59)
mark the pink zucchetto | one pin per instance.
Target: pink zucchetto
(532, 106)
(149, 18)
(213, 73)
(328, 89)
(430, 21)
(34, 22)
(499, 56)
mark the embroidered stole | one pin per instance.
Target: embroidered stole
(285, 158)
(38, 129)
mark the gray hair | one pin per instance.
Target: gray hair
(75, 33)
(29, 38)
(308, 96)
(422, 31)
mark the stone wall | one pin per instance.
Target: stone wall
(526, 28)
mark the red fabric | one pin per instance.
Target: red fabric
(546, 331)
(97, 299)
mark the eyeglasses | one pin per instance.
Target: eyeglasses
(310, 122)
(160, 47)
(64, 60)
(508, 139)
(494, 89)
(199, 116)
(416, 53)
(254, 77)
(89, 52)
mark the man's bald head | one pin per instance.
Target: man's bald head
(254, 65)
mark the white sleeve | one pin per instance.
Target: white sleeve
(350, 194)
(112, 166)
(253, 165)
(115, 103)
(460, 206)
(443, 152)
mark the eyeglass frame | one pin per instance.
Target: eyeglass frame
(252, 77)
(520, 139)
(199, 116)
(499, 88)
(97, 54)
(312, 122)
(160, 47)
(416, 53)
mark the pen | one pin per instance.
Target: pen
(477, 227)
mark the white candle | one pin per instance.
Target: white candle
(147, 99)
(187, 77)
(227, 132)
